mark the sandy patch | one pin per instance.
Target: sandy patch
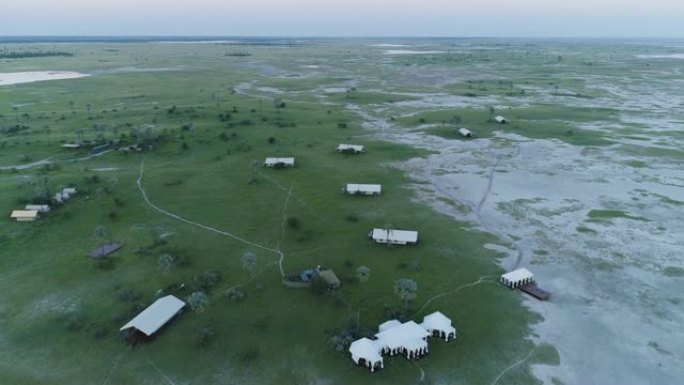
(7, 78)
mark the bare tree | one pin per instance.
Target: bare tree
(406, 289)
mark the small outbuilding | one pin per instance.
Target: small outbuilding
(466, 133)
(279, 162)
(366, 353)
(39, 208)
(24, 215)
(395, 237)
(439, 325)
(150, 320)
(362, 189)
(517, 278)
(71, 146)
(350, 148)
(105, 250)
(501, 120)
(330, 278)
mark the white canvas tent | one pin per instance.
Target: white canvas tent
(362, 189)
(355, 148)
(396, 237)
(466, 133)
(24, 215)
(368, 351)
(39, 208)
(437, 324)
(388, 325)
(282, 162)
(501, 120)
(407, 338)
(156, 315)
(517, 278)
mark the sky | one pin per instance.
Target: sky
(491, 18)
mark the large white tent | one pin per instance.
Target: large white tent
(396, 237)
(517, 277)
(368, 351)
(284, 162)
(437, 324)
(388, 325)
(403, 339)
(156, 315)
(362, 189)
(355, 148)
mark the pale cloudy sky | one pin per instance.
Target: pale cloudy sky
(543, 18)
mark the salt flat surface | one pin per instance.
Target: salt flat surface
(662, 56)
(615, 315)
(410, 52)
(7, 78)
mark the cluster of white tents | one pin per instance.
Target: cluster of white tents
(65, 194)
(394, 337)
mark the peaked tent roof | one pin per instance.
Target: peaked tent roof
(518, 275)
(388, 325)
(156, 315)
(365, 348)
(436, 320)
(401, 335)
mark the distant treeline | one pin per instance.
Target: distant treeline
(266, 43)
(28, 54)
(238, 53)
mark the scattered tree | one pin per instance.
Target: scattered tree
(198, 301)
(406, 289)
(363, 273)
(166, 263)
(249, 262)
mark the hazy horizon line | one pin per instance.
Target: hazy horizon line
(191, 37)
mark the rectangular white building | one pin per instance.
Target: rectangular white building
(39, 208)
(501, 120)
(362, 189)
(353, 148)
(395, 237)
(279, 162)
(24, 215)
(156, 315)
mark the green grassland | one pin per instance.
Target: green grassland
(60, 311)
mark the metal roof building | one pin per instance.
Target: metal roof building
(362, 189)
(282, 162)
(396, 237)
(156, 315)
(39, 208)
(355, 148)
(24, 215)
